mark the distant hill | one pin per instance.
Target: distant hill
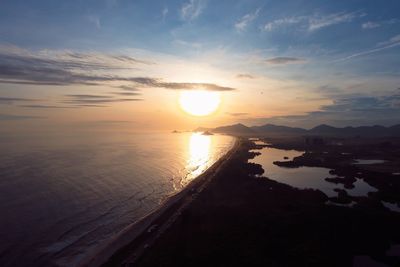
(352, 131)
(278, 129)
(234, 129)
(322, 130)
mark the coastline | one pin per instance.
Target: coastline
(243, 218)
(129, 244)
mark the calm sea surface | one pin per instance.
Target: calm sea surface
(63, 196)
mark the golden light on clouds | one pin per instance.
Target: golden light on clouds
(199, 102)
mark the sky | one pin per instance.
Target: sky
(86, 64)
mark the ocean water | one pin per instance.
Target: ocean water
(61, 196)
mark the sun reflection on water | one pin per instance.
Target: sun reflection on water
(199, 155)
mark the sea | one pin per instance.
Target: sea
(62, 196)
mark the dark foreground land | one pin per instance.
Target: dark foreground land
(240, 219)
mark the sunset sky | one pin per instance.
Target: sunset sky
(124, 64)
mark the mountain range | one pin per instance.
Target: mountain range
(321, 130)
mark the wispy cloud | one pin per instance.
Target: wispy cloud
(243, 22)
(10, 117)
(89, 96)
(270, 26)
(313, 22)
(109, 122)
(193, 86)
(370, 25)
(128, 88)
(126, 93)
(164, 13)
(73, 68)
(11, 100)
(393, 40)
(98, 101)
(391, 43)
(237, 114)
(95, 100)
(321, 21)
(60, 67)
(245, 76)
(192, 9)
(95, 20)
(285, 60)
(45, 106)
(376, 24)
(355, 111)
(193, 45)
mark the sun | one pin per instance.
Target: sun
(199, 102)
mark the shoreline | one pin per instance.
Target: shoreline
(130, 243)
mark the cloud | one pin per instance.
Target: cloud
(237, 114)
(69, 60)
(164, 13)
(83, 69)
(284, 60)
(10, 117)
(243, 22)
(11, 100)
(376, 24)
(126, 93)
(392, 42)
(61, 68)
(314, 22)
(319, 22)
(194, 86)
(128, 88)
(245, 76)
(90, 105)
(95, 20)
(365, 103)
(99, 101)
(109, 122)
(193, 45)
(328, 90)
(355, 111)
(370, 25)
(192, 9)
(89, 96)
(91, 100)
(44, 106)
(283, 22)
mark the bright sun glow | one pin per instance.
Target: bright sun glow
(199, 103)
